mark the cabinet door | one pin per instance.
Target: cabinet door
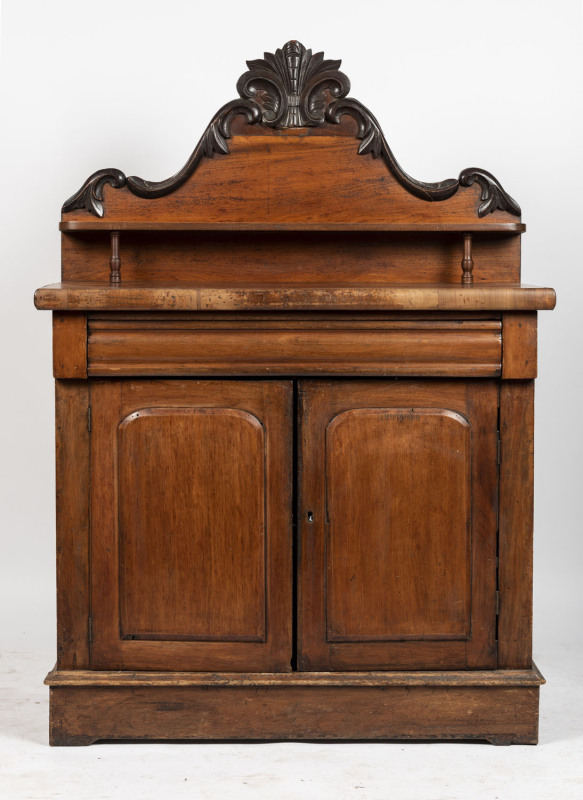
(397, 524)
(191, 545)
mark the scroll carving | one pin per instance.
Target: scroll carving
(90, 195)
(374, 142)
(214, 140)
(493, 195)
(293, 88)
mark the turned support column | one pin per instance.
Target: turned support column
(467, 261)
(115, 260)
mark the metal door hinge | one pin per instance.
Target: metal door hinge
(497, 603)
(89, 418)
(90, 629)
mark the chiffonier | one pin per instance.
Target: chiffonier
(294, 414)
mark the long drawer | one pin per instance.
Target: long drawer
(292, 344)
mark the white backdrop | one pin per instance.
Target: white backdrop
(133, 83)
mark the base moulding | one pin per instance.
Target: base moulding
(499, 706)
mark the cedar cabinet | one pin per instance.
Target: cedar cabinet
(294, 411)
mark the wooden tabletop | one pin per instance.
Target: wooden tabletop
(73, 296)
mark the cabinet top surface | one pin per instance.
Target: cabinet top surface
(72, 296)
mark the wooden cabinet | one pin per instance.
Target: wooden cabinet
(294, 411)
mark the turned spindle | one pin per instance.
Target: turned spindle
(467, 260)
(115, 260)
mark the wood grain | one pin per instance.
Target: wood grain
(288, 255)
(217, 225)
(519, 359)
(170, 527)
(290, 177)
(392, 527)
(502, 677)
(284, 257)
(375, 473)
(70, 344)
(346, 346)
(192, 529)
(443, 297)
(72, 479)
(516, 524)
(502, 714)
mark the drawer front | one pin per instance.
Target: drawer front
(346, 345)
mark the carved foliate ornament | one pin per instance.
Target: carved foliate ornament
(292, 86)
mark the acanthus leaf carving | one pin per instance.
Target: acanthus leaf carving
(90, 195)
(293, 86)
(493, 197)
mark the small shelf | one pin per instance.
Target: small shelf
(397, 227)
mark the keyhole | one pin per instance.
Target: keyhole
(310, 516)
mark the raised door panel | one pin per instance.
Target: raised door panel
(410, 526)
(398, 525)
(191, 525)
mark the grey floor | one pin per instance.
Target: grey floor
(29, 768)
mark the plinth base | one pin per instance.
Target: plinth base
(499, 706)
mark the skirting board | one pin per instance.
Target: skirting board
(500, 706)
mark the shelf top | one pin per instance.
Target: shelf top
(396, 227)
(77, 296)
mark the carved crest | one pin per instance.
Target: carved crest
(293, 88)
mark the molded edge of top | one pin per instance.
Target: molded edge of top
(73, 296)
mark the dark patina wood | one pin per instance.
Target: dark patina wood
(294, 449)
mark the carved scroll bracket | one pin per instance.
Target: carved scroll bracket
(493, 195)
(90, 195)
